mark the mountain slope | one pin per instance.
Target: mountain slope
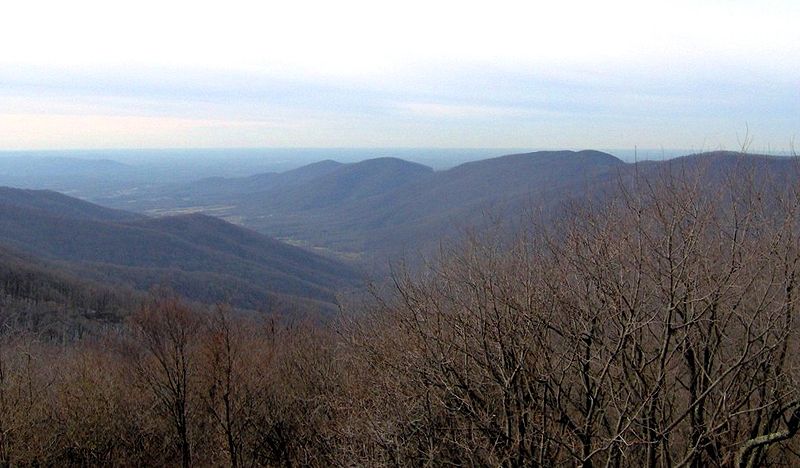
(313, 186)
(392, 217)
(204, 258)
(56, 204)
(498, 180)
(219, 189)
(41, 297)
(716, 165)
(349, 183)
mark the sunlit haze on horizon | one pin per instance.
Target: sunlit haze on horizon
(617, 74)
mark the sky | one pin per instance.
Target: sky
(87, 74)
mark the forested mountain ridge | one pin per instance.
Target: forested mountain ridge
(376, 210)
(392, 207)
(57, 204)
(203, 258)
(379, 207)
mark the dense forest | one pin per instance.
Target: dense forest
(651, 326)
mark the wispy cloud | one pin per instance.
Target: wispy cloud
(508, 73)
(463, 111)
(53, 131)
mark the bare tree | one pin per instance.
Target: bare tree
(654, 326)
(168, 332)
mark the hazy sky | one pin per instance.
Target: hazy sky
(566, 74)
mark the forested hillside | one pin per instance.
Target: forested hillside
(650, 325)
(200, 257)
(42, 298)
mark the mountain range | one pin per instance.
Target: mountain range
(297, 238)
(377, 209)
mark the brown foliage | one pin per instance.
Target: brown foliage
(654, 329)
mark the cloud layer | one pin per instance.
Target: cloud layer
(502, 74)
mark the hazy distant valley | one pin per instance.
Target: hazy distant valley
(372, 210)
